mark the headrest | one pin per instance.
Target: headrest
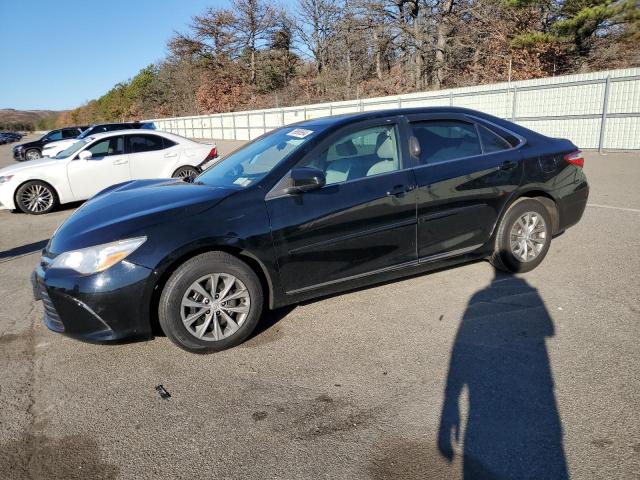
(346, 149)
(387, 149)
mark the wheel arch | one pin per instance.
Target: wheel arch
(181, 257)
(544, 197)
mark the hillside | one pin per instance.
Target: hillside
(10, 115)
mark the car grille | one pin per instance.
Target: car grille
(50, 314)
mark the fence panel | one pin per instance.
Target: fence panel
(594, 110)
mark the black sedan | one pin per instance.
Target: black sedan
(307, 210)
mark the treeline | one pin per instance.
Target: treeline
(260, 54)
(16, 127)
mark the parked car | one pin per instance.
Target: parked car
(33, 150)
(308, 210)
(10, 137)
(54, 148)
(97, 162)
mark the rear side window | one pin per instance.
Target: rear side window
(492, 142)
(107, 147)
(70, 133)
(442, 140)
(144, 143)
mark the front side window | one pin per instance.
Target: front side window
(107, 147)
(360, 154)
(252, 163)
(442, 140)
(144, 143)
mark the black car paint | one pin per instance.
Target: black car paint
(303, 246)
(19, 151)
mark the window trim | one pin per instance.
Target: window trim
(397, 121)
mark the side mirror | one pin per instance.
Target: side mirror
(305, 179)
(85, 155)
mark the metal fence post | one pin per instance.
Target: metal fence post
(264, 122)
(282, 117)
(451, 99)
(514, 103)
(603, 118)
(233, 120)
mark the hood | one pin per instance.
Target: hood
(128, 209)
(31, 164)
(60, 143)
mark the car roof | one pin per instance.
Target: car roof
(137, 131)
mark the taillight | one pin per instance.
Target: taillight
(212, 154)
(575, 158)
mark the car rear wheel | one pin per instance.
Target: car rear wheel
(32, 154)
(36, 198)
(211, 302)
(523, 237)
(186, 172)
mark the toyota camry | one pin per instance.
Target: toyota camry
(307, 210)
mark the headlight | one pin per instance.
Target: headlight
(5, 179)
(98, 258)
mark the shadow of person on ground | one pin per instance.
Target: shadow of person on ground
(513, 428)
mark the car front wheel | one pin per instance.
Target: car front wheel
(210, 303)
(32, 154)
(523, 237)
(36, 198)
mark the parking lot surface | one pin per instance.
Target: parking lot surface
(537, 373)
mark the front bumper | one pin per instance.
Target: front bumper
(18, 155)
(105, 307)
(6, 197)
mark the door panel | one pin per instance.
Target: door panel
(361, 221)
(108, 166)
(459, 200)
(344, 230)
(148, 157)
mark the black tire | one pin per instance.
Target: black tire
(186, 171)
(47, 194)
(34, 152)
(503, 257)
(170, 305)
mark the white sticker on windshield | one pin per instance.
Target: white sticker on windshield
(242, 181)
(300, 133)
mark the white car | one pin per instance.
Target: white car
(97, 162)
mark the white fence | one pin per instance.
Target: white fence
(599, 110)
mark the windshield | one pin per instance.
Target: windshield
(72, 149)
(86, 132)
(250, 164)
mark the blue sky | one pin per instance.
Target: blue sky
(57, 54)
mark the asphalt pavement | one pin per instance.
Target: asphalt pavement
(536, 375)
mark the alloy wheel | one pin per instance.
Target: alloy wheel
(528, 236)
(33, 155)
(36, 198)
(215, 306)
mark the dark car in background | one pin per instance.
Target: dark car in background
(308, 210)
(54, 148)
(33, 150)
(10, 137)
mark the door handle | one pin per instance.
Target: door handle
(120, 162)
(170, 155)
(399, 190)
(508, 165)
